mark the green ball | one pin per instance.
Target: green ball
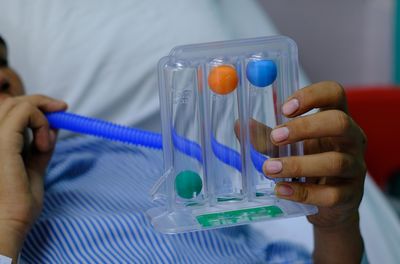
(188, 184)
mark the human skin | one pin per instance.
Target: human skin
(333, 165)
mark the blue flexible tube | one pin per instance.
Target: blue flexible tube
(187, 146)
(226, 155)
(104, 129)
(108, 130)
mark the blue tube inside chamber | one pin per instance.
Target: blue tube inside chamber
(134, 136)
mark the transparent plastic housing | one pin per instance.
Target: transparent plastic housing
(219, 104)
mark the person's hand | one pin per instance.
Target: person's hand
(333, 165)
(334, 155)
(22, 161)
(22, 164)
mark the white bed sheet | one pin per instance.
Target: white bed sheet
(100, 56)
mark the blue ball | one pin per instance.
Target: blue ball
(261, 73)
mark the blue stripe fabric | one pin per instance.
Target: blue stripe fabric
(94, 212)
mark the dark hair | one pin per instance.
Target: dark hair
(3, 42)
(3, 61)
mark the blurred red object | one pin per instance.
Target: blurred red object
(377, 111)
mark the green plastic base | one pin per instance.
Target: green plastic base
(238, 216)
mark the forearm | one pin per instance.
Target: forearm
(340, 244)
(10, 243)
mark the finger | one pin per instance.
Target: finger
(45, 103)
(327, 164)
(315, 194)
(259, 137)
(330, 123)
(36, 167)
(24, 115)
(327, 95)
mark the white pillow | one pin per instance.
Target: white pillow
(101, 56)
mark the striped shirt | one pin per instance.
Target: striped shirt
(94, 212)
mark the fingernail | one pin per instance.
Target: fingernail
(284, 190)
(290, 107)
(280, 134)
(55, 105)
(62, 102)
(273, 166)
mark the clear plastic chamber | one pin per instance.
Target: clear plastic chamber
(219, 103)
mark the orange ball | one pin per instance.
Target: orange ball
(223, 79)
